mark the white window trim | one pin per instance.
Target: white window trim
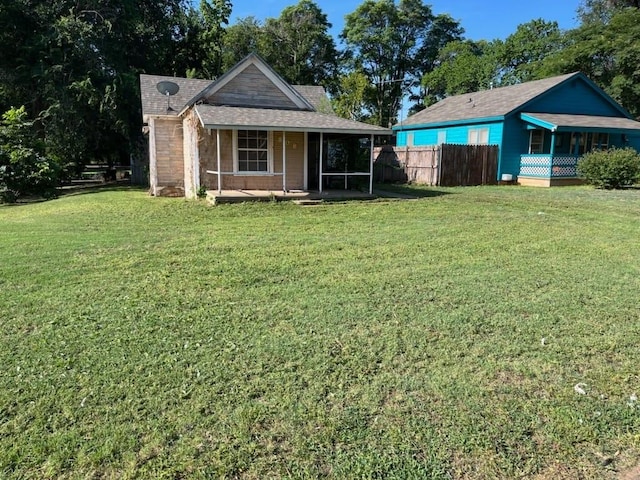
(474, 136)
(236, 166)
(538, 144)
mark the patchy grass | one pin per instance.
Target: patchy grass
(433, 338)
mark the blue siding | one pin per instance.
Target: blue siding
(458, 135)
(576, 97)
(634, 141)
(516, 142)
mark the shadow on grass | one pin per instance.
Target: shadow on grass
(72, 190)
(119, 186)
(408, 191)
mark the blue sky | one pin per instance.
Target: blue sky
(481, 19)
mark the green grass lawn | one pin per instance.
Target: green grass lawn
(434, 338)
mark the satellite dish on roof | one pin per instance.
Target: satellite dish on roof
(168, 89)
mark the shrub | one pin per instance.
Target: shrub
(24, 168)
(614, 168)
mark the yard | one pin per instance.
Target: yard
(479, 332)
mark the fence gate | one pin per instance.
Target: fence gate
(463, 165)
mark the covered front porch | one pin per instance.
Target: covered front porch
(557, 142)
(239, 154)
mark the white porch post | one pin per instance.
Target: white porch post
(306, 161)
(321, 149)
(371, 169)
(284, 161)
(218, 160)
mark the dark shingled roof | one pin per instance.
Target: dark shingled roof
(154, 103)
(559, 121)
(486, 103)
(213, 116)
(316, 96)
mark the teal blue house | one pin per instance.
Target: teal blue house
(541, 127)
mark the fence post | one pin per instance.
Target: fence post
(439, 158)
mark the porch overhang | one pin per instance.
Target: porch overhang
(556, 122)
(223, 117)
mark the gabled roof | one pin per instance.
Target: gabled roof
(155, 103)
(214, 116)
(257, 63)
(486, 104)
(316, 96)
(286, 107)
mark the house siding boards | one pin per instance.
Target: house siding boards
(209, 161)
(454, 135)
(575, 97)
(251, 88)
(169, 152)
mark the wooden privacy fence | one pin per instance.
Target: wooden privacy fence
(444, 165)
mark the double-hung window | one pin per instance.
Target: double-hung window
(478, 136)
(536, 141)
(252, 151)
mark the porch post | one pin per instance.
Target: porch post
(218, 160)
(321, 149)
(552, 151)
(284, 161)
(306, 161)
(371, 169)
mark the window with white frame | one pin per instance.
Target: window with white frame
(478, 136)
(252, 151)
(536, 141)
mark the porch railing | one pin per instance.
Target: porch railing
(546, 165)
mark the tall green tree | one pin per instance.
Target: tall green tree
(351, 99)
(74, 65)
(298, 45)
(523, 51)
(463, 66)
(215, 14)
(242, 38)
(444, 30)
(601, 11)
(384, 41)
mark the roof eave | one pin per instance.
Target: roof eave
(538, 122)
(351, 131)
(561, 129)
(448, 123)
